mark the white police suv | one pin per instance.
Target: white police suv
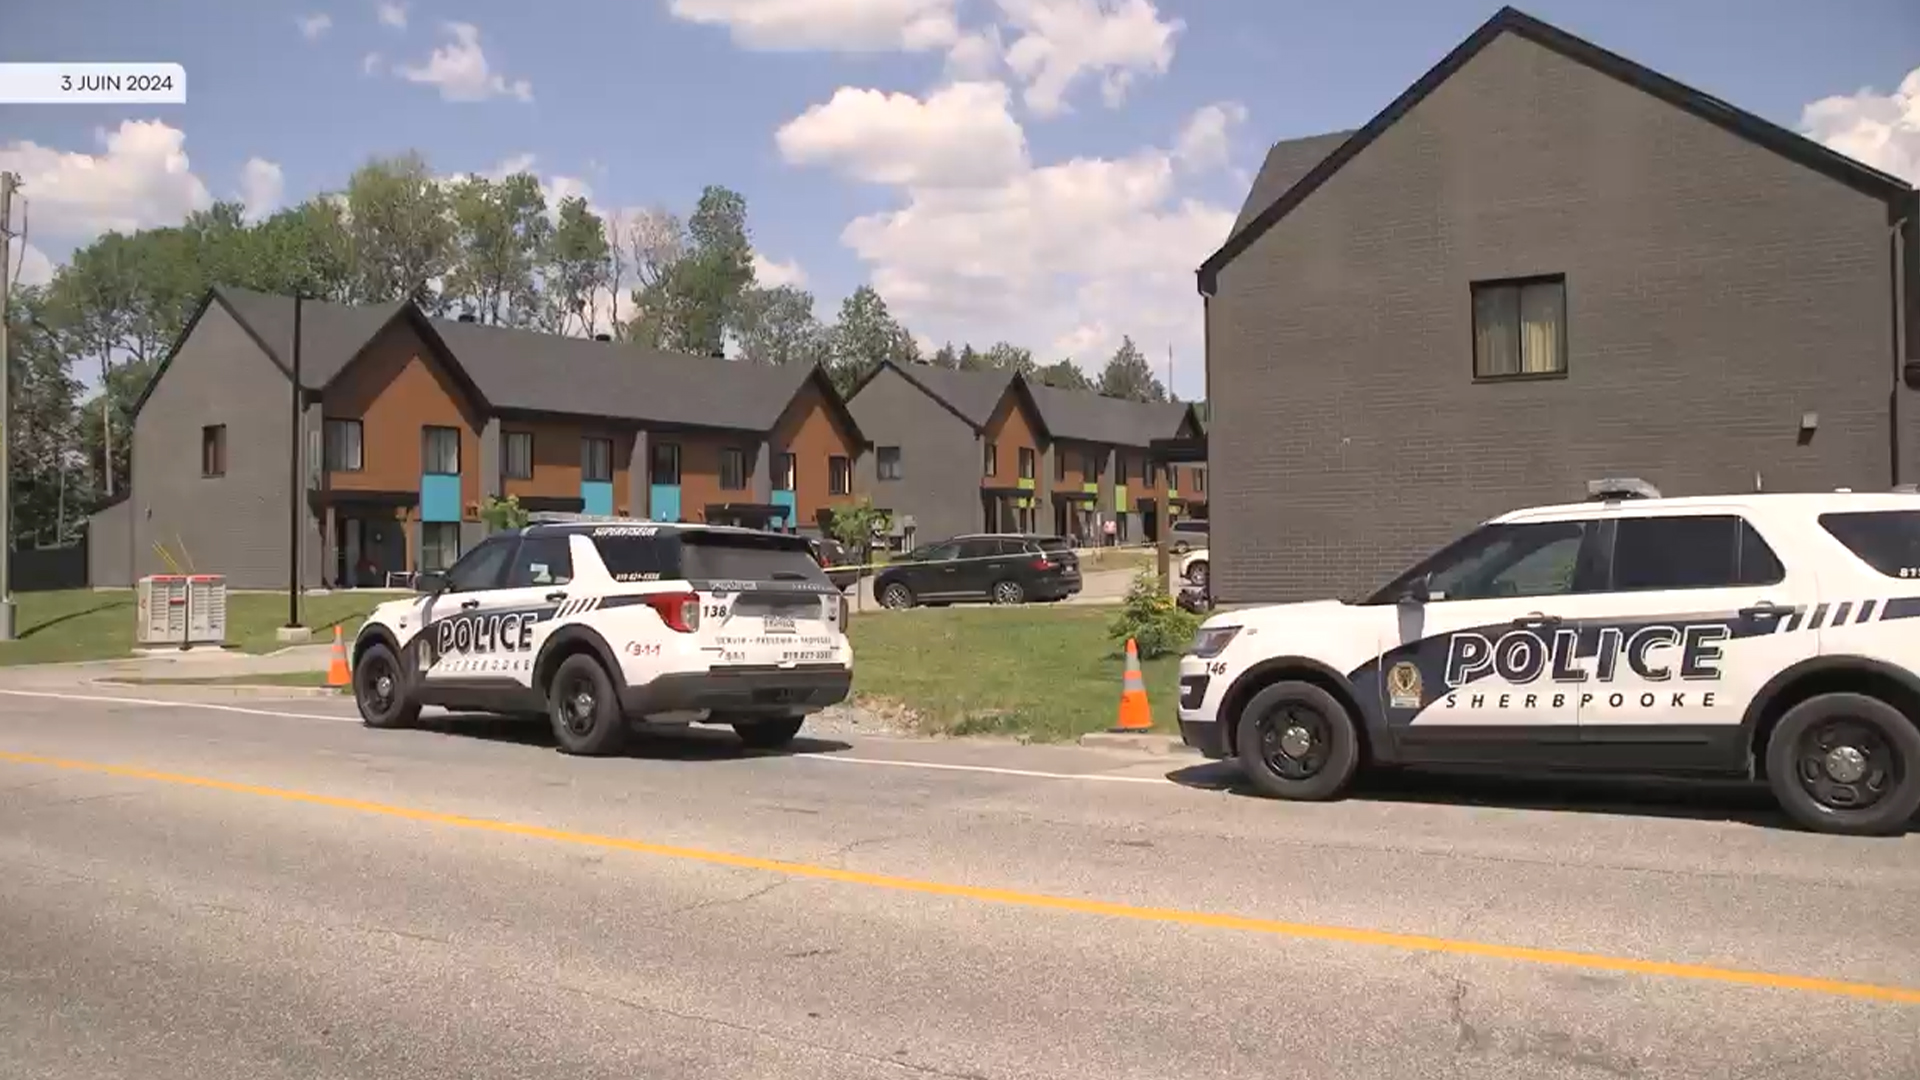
(1766, 636)
(601, 623)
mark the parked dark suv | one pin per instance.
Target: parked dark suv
(832, 555)
(1006, 568)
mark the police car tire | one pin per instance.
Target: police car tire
(1894, 809)
(402, 711)
(607, 733)
(1343, 749)
(1197, 573)
(769, 734)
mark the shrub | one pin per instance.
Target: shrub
(1151, 618)
(504, 513)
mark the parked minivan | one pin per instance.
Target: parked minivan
(1188, 535)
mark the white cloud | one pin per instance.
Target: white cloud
(315, 25)
(394, 15)
(370, 64)
(975, 55)
(1206, 142)
(461, 71)
(960, 135)
(30, 265)
(852, 26)
(1061, 41)
(1881, 130)
(261, 186)
(1064, 258)
(140, 178)
(771, 274)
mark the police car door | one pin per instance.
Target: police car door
(1697, 616)
(1476, 673)
(537, 590)
(453, 622)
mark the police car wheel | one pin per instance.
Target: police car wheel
(380, 692)
(896, 596)
(1296, 741)
(768, 734)
(1846, 763)
(585, 709)
(1197, 573)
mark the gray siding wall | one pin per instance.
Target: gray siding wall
(939, 458)
(110, 547)
(235, 524)
(1715, 292)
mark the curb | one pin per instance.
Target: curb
(237, 690)
(1147, 742)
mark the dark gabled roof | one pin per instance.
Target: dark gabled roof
(1286, 163)
(524, 370)
(1507, 20)
(535, 372)
(1088, 417)
(970, 395)
(331, 335)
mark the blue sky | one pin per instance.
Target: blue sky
(642, 107)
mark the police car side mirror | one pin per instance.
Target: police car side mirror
(1418, 591)
(429, 582)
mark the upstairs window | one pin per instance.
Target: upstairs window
(516, 455)
(886, 463)
(596, 460)
(1119, 469)
(1520, 328)
(665, 464)
(839, 476)
(213, 450)
(1059, 464)
(733, 469)
(440, 451)
(1090, 467)
(785, 468)
(344, 448)
(1026, 463)
(990, 463)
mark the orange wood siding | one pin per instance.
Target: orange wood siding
(700, 469)
(557, 456)
(812, 431)
(1010, 428)
(1074, 453)
(396, 388)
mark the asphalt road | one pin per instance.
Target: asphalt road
(220, 893)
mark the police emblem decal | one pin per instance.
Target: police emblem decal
(1403, 686)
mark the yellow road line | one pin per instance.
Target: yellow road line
(1015, 898)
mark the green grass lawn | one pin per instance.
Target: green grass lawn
(81, 624)
(1042, 672)
(1045, 672)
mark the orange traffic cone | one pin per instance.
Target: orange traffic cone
(337, 674)
(1135, 715)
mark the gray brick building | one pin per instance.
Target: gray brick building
(1540, 264)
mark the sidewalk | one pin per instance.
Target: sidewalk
(170, 664)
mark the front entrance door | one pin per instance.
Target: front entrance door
(366, 550)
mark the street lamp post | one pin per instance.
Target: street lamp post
(8, 182)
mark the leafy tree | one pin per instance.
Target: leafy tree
(866, 334)
(1064, 374)
(501, 232)
(971, 360)
(500, 514)
(945, 357)
(777, 326)
(576, 267)
(854, 524)
(306, 250)
(51, 492)
(1150, 618)
(400, 231)
(1127, 375)
(1008, 357)
(699, 295)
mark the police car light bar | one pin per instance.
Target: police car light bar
(1613, 489)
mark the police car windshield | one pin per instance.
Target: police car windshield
(703, 554)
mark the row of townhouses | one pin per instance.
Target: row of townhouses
(368, 451)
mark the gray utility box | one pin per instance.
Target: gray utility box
(180, 610)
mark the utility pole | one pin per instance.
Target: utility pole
(8, 182)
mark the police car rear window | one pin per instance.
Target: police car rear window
(1887, 540)
(645, 553)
